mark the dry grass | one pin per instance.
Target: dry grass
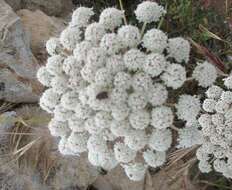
(5, 106)
(31, 144)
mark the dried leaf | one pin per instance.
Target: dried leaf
(210, 34)
(216, 61)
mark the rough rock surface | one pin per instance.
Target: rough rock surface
(18, 66)
(40, 30)
(78, 171)
(15, 4)
(117, 180)
(50, 7)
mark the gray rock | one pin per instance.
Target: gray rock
(15, 4)
(40, 30)
(50, 7)
(18, 66)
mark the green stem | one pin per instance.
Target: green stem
(121, 7)
(162, 19)
(226, 7)
(160, 23)
(143, 29)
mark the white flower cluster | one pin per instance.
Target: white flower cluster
(205, 73)
(149, 12)
(188, 108)
(216, 123)
(190, 136)
(108, 95)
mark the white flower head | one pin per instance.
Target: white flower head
(120, 112)
(108, 92)
(88, 73)
(157, 94)
(71, 66)
(205, 120)
(135, 171)
(115, 64)
(103, 77)
(202, 154)
(49, 100)
(111, 18)
(220, 165)
(111, 43)
(69, 100)
(54, 64)
(155, 40)
(62, 114)
(154, 158)
(94, 158)
(76, 82)
(205, 73)
(122, 80)
(141, 82)
(108, 135)
(136, 139)
(95, 58)
(174, 76)
(188, 108)
(120, 128)
(189, 136)
(155, 64)
(226, 96)
(82, 111)
(139, 119)
(209, 105)
(137, 100)
(214, 92)
(123, 153)
(161, 117)
(76, 124)
(94, 33)
(58, 128)
(63, 148)
(81, 16)
(59, 84)
(107, 160)
(118, 96)
(130, 36)
(218, 119)
(90, 126)
(222, 106)
(70, 37)
(205, 166)
(160, 140)
(134, 59)
(77, 142)
(228, 82)
(96, 143)
(103, 120)
(44, 76)
(179, 49)
(81, 50)
(149, 12)
(53, 46)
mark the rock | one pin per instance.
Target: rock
(73, 172)
(18, 66)
(15, 4)
(40, 30)
(117, 179)
(50, 7)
